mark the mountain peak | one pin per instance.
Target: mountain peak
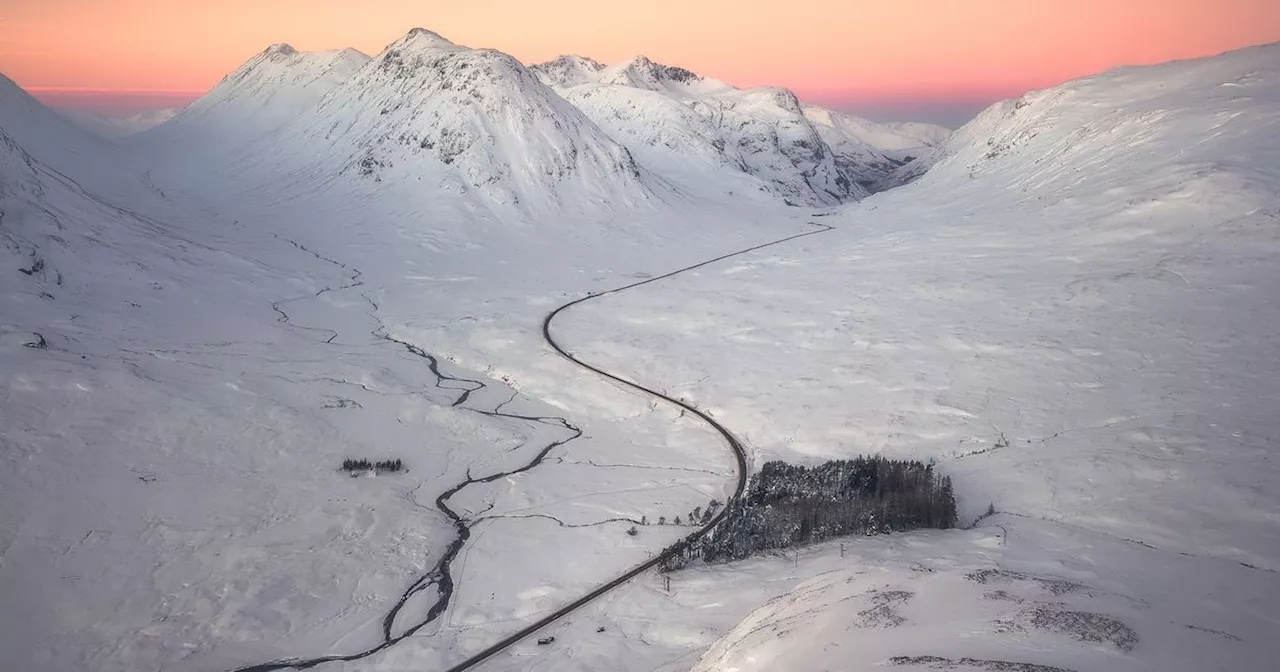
(419, 38)
(581, 61)
(568, 70)
(281, 49)
(641, 72)
(778, 96)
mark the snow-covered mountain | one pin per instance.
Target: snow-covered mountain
(871, 150)
(473, 125)
(484, 128)
(269, 90)
(569, 71)
(898, 136)
(669, 116)
(478, 116)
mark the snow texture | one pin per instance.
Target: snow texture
(1072, 312)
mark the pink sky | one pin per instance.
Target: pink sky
(851, 53)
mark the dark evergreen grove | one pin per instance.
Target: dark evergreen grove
(365, 465)
(787, 505)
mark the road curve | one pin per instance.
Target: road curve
(739, 452)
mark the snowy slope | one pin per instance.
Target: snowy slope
(890, 137)
(215, 348)
(869, 150)
(270, 89)
(48, 137)
(1012, 596)
(158, 447)
(668, 115)
(1073, 313)
(179, 388)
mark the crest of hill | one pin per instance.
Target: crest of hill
(1178, 91)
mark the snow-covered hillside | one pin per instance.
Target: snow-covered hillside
(870, 150)
(180, 388)
(1073, 313)
(902, 136)
(269, 90)
(51, 138)
(669, 115)
(165, 431)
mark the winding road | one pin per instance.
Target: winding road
(440, 576)
(739, 453)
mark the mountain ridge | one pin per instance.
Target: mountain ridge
(765, 132)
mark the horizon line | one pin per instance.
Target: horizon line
(923, 95)
(100, 90)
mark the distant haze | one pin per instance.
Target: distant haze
(929, 60)
(114, 103)
(952, 112)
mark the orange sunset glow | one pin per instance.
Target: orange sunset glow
(834, 51)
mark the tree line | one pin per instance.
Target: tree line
(365, 465)
(788, 505)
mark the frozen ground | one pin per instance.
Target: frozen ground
(1072, 312)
